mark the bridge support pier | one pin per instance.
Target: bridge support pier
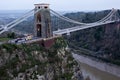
(42, 28)
(42, 24)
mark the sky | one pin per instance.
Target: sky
(61, 5)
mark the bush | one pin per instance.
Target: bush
(9, 47)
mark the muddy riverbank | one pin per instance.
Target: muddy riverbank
(97, 70)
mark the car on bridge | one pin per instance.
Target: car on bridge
(18, 40)
(28, 37)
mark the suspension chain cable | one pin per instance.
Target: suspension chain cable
(80, 23)
(17, 21)
(106, 17)
(20, 18)
(65, 18)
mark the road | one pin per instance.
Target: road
(77, 28)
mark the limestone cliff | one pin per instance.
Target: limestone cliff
(34, 62)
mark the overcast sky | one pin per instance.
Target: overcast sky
(61, 5)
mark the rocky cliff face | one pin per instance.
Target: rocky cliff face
(33, 62)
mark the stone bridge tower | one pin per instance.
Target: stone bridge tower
(42, 23)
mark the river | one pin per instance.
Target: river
(96, 71)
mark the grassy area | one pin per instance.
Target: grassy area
(4, 39)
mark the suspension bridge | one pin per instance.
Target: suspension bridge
(43, 28)
(112, 17)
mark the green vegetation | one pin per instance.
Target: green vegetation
(11, 35)
(26, 56)
(60, 43)
(103, 40)
(9, 47)
(7, 37)
(24, 49)
(66, 76)
(4, 39)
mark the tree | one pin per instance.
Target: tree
(11, 35)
